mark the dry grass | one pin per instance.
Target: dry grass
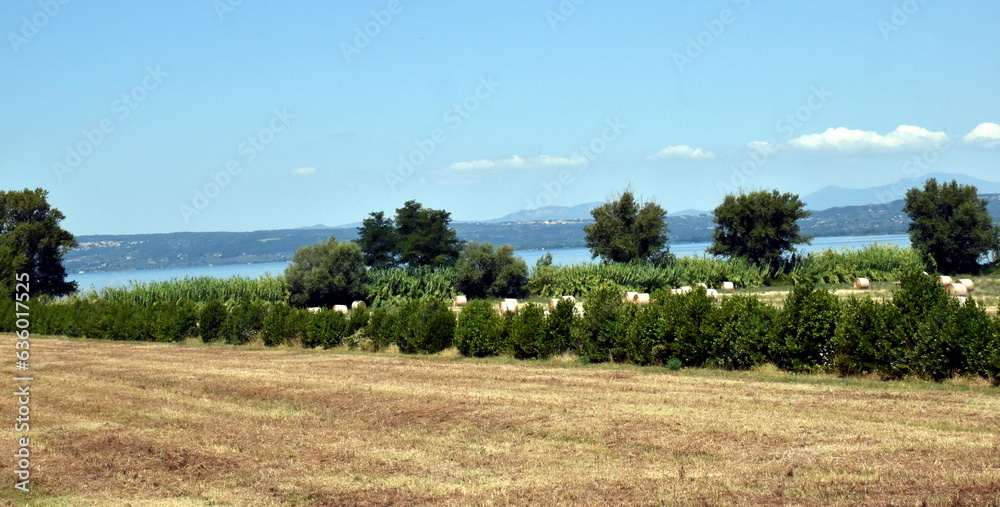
(154, 424)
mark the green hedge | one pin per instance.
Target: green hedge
(920, 332)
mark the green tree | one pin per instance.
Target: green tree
(33, 242)
(378, 241)
(478, 332)
(424, 238)
(625, 231)
(950, 226)
(758, 226)
(211, 320)
(326, 273)
(484, 272)
(527, 334)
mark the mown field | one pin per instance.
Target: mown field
(119, 423)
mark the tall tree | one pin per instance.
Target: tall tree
(423, 236)
(326, 274)
(625, 231)
(950, 226)
(33, 242)
(378, 240)
(485, 272)
(758, 226)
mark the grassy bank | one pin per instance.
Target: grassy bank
(175, 424)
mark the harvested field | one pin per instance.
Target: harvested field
(153, 424)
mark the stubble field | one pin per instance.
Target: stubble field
(154, 424)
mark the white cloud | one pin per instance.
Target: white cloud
(844, 139)
(515, 162)
(683, 151)
(985, 134)
(303, 171)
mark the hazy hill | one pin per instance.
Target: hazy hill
(834, 196)
(549, 213)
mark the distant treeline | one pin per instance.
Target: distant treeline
(192, 249)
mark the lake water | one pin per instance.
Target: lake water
(562, 256)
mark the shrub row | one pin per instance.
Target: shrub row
(233, 323)
(526, 334)
(920, 333)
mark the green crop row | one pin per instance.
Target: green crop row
(269, 289)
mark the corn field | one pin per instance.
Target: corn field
(394, 286)
(270, 289)
(878, 263)
(580, 279)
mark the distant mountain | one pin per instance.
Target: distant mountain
(314, 227)
(835, 196)
(352, 225)
(549, 213)
(579, 212)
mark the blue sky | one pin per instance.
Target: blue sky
(232, 115)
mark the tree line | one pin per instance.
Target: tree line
(950, 227)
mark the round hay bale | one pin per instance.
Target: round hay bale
(359, 305)
(642, 299)
(314, 309)
(553, 302)
(861, 283)
(508, 306)
(961, 299)
(728, 286)
(685, 289)
(578, 310)
(945, 281)
(957, 289)
(712, 293)
(630, 296)
(570, 298)
(703, 286)
(461, 300)
(968, 283)
(340, 308)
